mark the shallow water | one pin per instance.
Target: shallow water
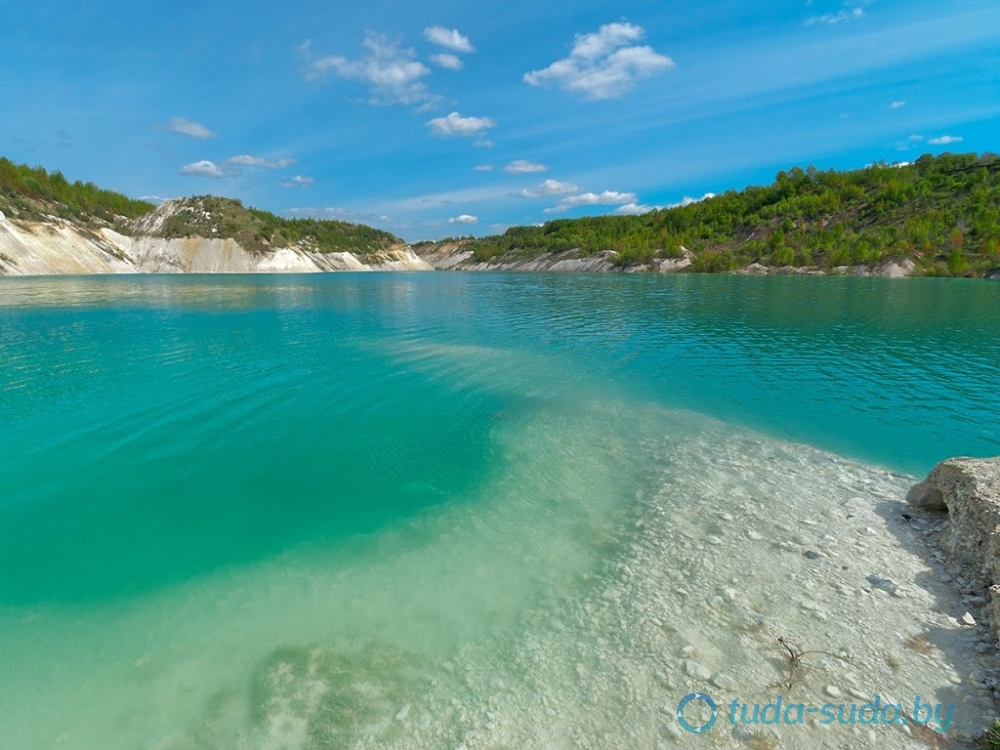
(500, 510)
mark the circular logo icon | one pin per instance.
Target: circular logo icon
(707, 700)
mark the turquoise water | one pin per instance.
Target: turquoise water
(201, 477)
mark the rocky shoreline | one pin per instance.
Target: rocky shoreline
(455, 256)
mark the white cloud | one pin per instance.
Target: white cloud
(448, 38)
(203, 168)
(846, 14)
(549, 187)
(484, 168)
(897, 105)
(604, 64)
(188, 127)
(298, 181)
(522, 166)
(635, 209)
(916, 137)
(245, 160)
(687, 200)
(455, 124)
(464, 219)
(392, 73)
(451, 62)
(607, 198)
(945, 140)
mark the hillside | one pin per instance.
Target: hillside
(937, 216)
(51, 226)
(257, 231)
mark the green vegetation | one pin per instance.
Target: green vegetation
(943, 213)
(991, 738)
(31, 194)
(257, 231)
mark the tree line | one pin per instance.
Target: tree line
(942, 212)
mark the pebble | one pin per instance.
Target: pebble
(696, 670)
(833, 691)
(884, 584)
(968, 619)
(403, 713)
(723, 681)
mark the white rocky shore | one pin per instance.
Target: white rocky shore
(56, 246)
(455, 256)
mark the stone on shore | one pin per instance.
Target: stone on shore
(969, 490)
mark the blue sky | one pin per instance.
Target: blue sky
(449, 118)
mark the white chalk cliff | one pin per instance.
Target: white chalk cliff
(58, 246)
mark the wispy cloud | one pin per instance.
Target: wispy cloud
(897, 105)
(456, 125)
(603, 65)
(187, 127)
(393, 73)
(852, 11)
(484, 168)
(549, 187)
(463, 219)
(298, 181)
(606, 198)
(203, 168)
(522, 166)
(342, 214)
(245, 160)
(945, 140)
(451, 62)
(448, 38)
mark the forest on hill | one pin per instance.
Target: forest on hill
(32, 193)
(35, 194)
(942, 212)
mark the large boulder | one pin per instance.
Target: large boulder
(969, 490)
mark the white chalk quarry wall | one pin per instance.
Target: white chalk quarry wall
(58, 247)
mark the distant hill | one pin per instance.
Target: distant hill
(51, 226)
(32, 194)
(937, 216)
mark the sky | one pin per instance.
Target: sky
(450, 118)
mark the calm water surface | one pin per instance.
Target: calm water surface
(196, 471)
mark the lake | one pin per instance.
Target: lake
(435, 510)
